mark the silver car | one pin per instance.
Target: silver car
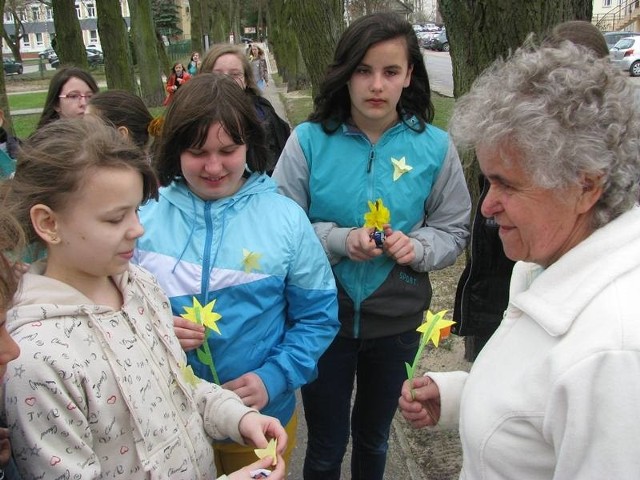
(625, 54)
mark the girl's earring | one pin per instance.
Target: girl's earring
(53, 238)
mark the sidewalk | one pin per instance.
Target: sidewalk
(400, 463)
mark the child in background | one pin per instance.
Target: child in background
(125, 111)
(102, 389)
(70, 89)
(222, 237)
(369, 139)
(177, 78)
(194, 64)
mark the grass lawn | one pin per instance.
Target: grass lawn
(20, 101)
(299, 105)
(25, 125)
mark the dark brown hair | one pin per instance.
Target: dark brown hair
(332, 105)
(124, 109)
(207, 99)
(57, 83)
(55, 161)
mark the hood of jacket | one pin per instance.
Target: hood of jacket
(178, 194)
(62, 300)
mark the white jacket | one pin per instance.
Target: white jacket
(98, 393)
(555, 393)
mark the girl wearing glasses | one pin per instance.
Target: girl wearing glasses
(69, 92)
(230, 60)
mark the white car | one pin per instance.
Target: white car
(625, 54)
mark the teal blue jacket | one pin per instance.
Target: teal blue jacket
(334, 176)
(278, 307)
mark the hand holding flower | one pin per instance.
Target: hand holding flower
(420, 402)
(398, 246)
(359, 245)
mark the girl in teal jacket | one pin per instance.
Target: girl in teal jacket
(235, 256)
(369, 147)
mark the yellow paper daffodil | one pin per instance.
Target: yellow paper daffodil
(250, 260)
(189, 376)
(203, 315)
(400, 167)
(435, 326)
(270, 451)
(377, 216)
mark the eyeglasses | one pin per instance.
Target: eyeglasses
(74, 97)
(234, 75)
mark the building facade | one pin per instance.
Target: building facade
(37, 29)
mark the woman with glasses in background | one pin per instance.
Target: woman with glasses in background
(230, 60)
(70, 90)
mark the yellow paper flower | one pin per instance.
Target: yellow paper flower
(250, 260)
(436, 325)
(270, 451)
(433, 328)
(203, 315)
(189, 376)
(400, 167)
(377, 216)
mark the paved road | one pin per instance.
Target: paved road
(441, 77)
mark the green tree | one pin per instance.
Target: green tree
(69, 44)
(166, 17)
(483, 30)
(318, 26)
(144, 40)
(112, 28)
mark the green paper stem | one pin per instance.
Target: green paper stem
(208, 360)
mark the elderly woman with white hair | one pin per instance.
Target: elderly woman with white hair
(555, 393)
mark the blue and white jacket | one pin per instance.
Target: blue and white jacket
(418, 176)
(257, 257)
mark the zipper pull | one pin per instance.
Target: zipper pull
(371, 155)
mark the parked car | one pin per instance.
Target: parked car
(613, 37)
(438, 41)
(94, 56)
(11, 66)
(47, 53)
(626, 55)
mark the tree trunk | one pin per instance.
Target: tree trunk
(318, 26)
(69, 45)
(144, 40)
(479, 32)
(14, 43)
(4, 100)
(112, 28)
(196, 25)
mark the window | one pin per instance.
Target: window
(93, 36)
(26, 42)
(606, 3)
(78, 11)
(8, 17)
(22, 13)
(91, 10)
(39, 41)
(35, 14)
(48, 13)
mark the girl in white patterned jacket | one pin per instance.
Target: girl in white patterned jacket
(101, 389)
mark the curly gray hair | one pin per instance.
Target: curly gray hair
(567, 112)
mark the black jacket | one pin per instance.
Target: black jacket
(276, 129)
(483, 289)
